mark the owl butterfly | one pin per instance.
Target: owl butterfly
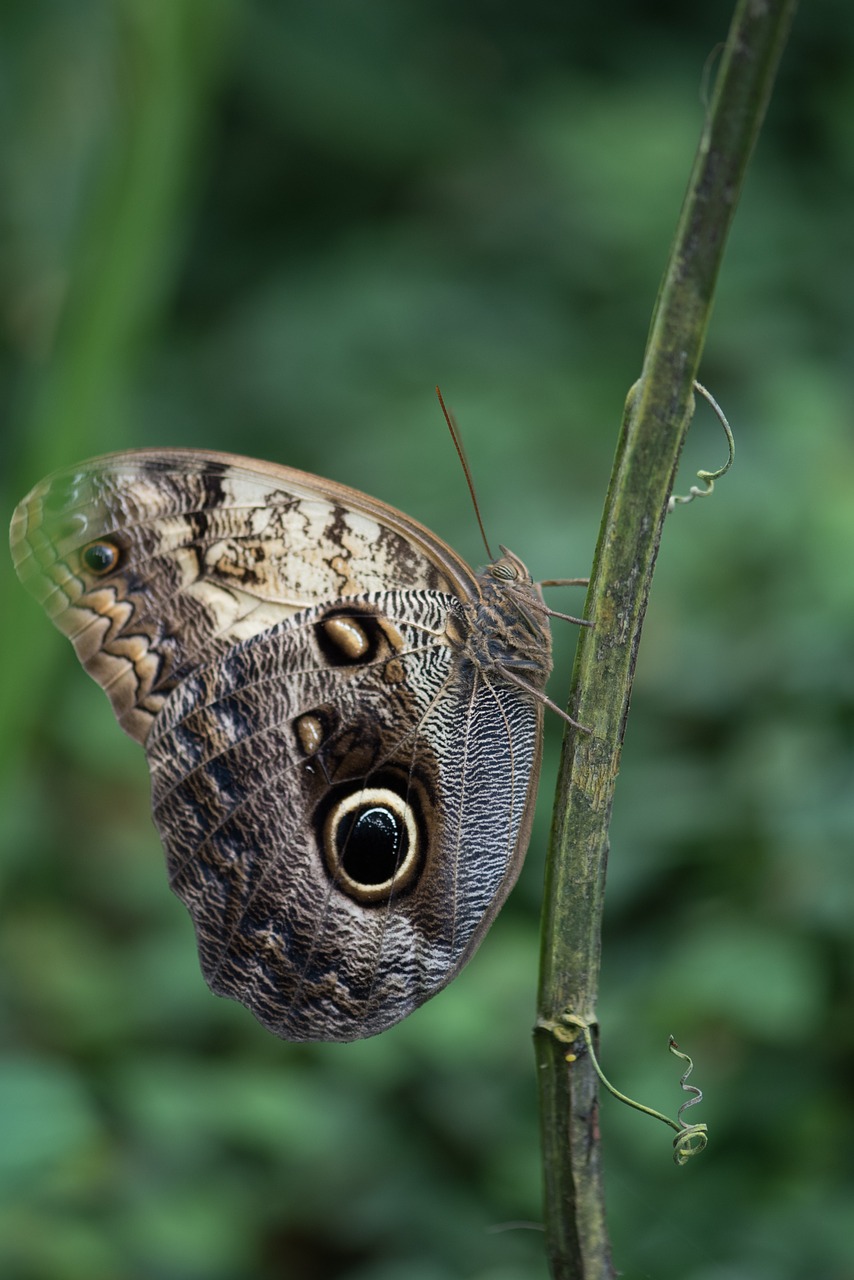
(342, 720)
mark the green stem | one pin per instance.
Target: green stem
(656, 420)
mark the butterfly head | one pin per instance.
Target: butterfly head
(508, 568)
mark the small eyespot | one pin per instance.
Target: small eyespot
(348, 637)
(100, 557)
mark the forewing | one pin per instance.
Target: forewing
(210, 549)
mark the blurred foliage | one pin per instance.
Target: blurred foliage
(271, 229)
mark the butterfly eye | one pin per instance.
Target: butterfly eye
(509, 568)
(505, 570)
(371, 843)
(100, 557)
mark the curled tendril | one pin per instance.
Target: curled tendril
(708, 477)
(690, 1139)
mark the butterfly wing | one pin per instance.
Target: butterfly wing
(343, 806)
(209, 549)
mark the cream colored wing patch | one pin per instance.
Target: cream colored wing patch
(153, 562)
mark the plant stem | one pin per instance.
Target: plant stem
(656, 419)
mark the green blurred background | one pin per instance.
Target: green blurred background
(271, 228)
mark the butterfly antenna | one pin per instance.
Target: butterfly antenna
(458, 445)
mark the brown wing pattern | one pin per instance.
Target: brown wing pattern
(342, 780)
(208, 552)
(318, 949)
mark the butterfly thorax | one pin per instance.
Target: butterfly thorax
(506, 629)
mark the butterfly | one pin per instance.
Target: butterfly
(342, 720)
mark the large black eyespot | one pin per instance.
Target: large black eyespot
(372, 843)
(100, 557)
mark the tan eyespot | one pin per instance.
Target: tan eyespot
(371, 844)
(100, 557)
(348, 637)
(309, 731)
